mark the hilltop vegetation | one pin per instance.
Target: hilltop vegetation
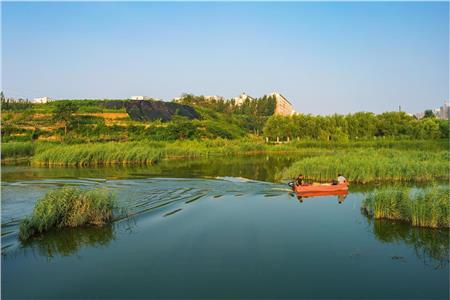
(80, 121)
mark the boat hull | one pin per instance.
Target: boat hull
(321, 189)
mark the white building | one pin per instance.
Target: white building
(214, 97)
(239, 100)
(41, 100)
(140, 98)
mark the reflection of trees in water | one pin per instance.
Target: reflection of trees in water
(430, 245)
(68, 241)
(259, 167)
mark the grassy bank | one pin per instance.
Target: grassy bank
(98, 154)
(142, 153)
(68, 207)
(16, 150)
(360, 161)
(373, 165)
(424, 208)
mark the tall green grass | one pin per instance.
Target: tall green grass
(373, 165)
(17, 149)
(98, 154)
(427, 207)
(68, 207)
(144, 153)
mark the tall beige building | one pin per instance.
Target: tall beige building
(283, 107)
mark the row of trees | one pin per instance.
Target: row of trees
(253, 112)
(14, 104)
(264, 106)
(362, 125)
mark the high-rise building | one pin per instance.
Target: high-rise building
(282, 107)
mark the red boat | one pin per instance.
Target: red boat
(322, 189)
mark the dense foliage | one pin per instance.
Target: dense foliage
(252, 112)
(360, 125)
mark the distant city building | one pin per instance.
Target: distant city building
(419, 115)
(239, 100)
(282, 107)
(214, 97)
(140, 98)
(442, 113)
(41, 100)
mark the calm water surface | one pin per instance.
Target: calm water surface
(214, 229)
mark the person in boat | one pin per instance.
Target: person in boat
(341, 179)
(301, 180)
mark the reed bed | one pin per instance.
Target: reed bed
(17, 149)
(372, 165)
(427, 207)
(145, 153)
(98, 154)
(68, 207)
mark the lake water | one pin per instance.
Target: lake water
(214, 229)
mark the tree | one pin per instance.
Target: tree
(429, 114)
(64, 112)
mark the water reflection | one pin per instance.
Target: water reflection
(68, 241)
(257, 167)
(430, 245)
(340, 196)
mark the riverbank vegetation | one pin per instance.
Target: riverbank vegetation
(68, 207)
(359, 161)
(427, 207)
(363, 165)
(366, 147)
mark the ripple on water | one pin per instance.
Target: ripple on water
(163, 196)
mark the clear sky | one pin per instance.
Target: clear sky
(324, 57)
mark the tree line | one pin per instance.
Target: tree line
(264, 106)
(361, 125)
(253, 112)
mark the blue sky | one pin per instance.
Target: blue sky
(324, 57)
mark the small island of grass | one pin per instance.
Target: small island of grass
(68, 207)
(427, 207)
